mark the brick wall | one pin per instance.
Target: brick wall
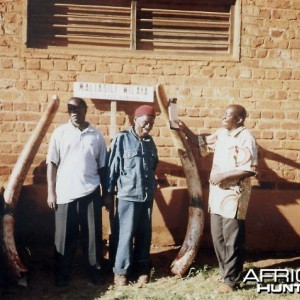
(265, 80)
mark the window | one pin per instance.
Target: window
(165, 26)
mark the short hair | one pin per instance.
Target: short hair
(80, 100)
(241, 111)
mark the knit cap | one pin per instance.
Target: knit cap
(144, 110)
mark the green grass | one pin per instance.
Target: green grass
(163, 286)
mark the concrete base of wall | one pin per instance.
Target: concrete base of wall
(272, 222)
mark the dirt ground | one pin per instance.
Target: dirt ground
(41, 282)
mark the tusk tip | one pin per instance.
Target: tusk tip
(54, 97)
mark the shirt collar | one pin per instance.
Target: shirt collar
(89, 128)
(145, 138)
(236, 131)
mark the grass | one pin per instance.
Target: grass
(195, 286)
(163, 286)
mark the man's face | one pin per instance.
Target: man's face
(231, 120)
(77, 111)
(143, 125)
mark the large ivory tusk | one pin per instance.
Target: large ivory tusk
(195, 227)
(16, 180)
(15, 184)
(13, 258)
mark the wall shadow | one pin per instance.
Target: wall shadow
(269, 207)
(173, 203)
(268, 179)
(273, 213)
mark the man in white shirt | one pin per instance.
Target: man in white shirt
(75, 170)
(235, 161)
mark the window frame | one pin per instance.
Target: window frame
(233, 55)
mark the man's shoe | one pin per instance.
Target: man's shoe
(143, 280)
(120, 280)
(225, 288)
(215, 279)
(61, 282)
(97, 276)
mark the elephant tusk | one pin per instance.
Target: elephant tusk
(19, 172)
(13, 258)
(15, 184)
(195, 227)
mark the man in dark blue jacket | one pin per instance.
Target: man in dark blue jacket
(132, 163)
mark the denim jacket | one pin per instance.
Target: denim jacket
(131, 166)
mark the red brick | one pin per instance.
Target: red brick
(7, 116)
(293, 115)
(266, 114)
(74, 66)
(291, 145)
(6, 63)
(290, 175)
(281, 95)
(20, 84)
(267, 135)
(280, 135)
(294, 44)
(141, 69)
(89, 66)
(278, 114)
(164, 152)
(9, 74)
(34, 85)
(8, 159)
(47, 65)
(293, 135)
(254, 114)
(192, 112)
(263, 125)
(129, 69)
(33, 64)
(60, 65)
(289, 125)
(28, 116)
(169, 70)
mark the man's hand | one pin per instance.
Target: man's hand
(181, 125)
(108, 201)
(193, 138)
(51, 200)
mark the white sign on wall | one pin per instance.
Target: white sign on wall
(119, 92)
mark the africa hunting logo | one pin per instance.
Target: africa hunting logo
(274, 281)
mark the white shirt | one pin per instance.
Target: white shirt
(234, 150)
(78, 155)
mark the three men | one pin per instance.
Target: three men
(76, 162)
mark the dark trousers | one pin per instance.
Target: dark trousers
(78, 221)
(228, 237)
(132, 235)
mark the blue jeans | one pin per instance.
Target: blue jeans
(132, 234)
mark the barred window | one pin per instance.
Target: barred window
(165, 26)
